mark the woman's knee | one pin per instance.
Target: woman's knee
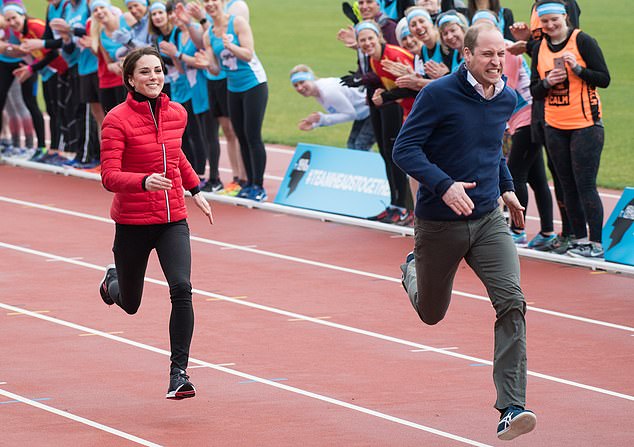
(181, 291)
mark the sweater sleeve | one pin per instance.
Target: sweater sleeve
(113, 142)
(334, 99)
(409, 148)
(596, 72)
(506, 180)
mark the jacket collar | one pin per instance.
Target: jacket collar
(141, 106)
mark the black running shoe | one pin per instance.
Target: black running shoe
(110, 275)
(180, 386)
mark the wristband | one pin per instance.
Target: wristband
(178, 55)
(202, 21)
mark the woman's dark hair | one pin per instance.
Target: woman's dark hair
(494, 5)
(129, 63)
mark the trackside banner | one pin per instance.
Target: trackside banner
(618, 232)
(334, 180)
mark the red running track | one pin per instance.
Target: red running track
(319, 342)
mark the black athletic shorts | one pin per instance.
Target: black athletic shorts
(89, 88)
(217, 91)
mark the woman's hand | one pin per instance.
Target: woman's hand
(410, 81)
(377, 99)
(396, 68)
(115, 68)
(517, 48)
(520, 31)
(435, 70)
(29, 45)
(168, 48)
(203, 205)
(556, 76)
(307, 123)
(570, 59)
(157, 182)
(22, 73)
(348, 37)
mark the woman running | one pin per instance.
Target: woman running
(144, 166)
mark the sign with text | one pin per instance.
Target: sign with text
(335, 180)
(618, 232)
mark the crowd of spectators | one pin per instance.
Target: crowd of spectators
(399, 47)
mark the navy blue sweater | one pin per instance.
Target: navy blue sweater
(454, 134)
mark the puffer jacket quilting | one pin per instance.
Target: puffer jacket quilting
(132, 149)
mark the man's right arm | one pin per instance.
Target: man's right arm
(408, 151)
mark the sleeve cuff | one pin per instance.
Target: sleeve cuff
(195, 190)
(143, 183)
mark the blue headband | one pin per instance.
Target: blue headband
(484, 15)
(366, 25)
(142, 2)
(406, 32)
(96, 3)
(14, 7)
(301, 76)
(449, 18)
(418, 13)
(158, 5)
(550, 8)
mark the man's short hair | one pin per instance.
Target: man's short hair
(471, 37)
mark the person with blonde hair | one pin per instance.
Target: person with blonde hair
(342, 104)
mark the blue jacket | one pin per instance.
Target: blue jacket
(454, 134)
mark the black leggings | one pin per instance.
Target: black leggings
(246, 110)
(111, 97)
(210, 127)
(193, 140)
(386, 122)
(132, 247)
(28, 96)
(526, 164)
(575, 155)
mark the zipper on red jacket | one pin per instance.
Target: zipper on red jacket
(167, 202)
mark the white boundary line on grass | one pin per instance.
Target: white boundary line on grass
(247, 376)
(328, 217)
(76, 418)
(314, 263)
(327, 323)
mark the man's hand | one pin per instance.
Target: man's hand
(516, 210)
(457, 199)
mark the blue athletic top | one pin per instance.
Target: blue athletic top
(14, 40)
(109, 45)
(76, 17)
(181, 90)
(389, 8)
(55, 11)
(241, 75)
(221, 75)
(436, 56)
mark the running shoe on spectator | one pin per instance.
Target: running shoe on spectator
(385, 214)
(540, 241)
(108, 277)
(245, 191)
(404, 218)
(231, 189)
(213, 186)
(257, 193)
(515, 422)
(559, 245)
(519, 239)
(39, 154)
(180, 387)
(586, 250)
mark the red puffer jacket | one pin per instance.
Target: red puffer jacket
(133, 147)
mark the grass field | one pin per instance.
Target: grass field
(289, 32)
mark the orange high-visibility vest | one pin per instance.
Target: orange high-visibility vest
(572, 104)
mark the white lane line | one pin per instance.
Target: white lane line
(247, 376)
(321, 264)
(76, 418)
(276, 178)
(327, 323)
